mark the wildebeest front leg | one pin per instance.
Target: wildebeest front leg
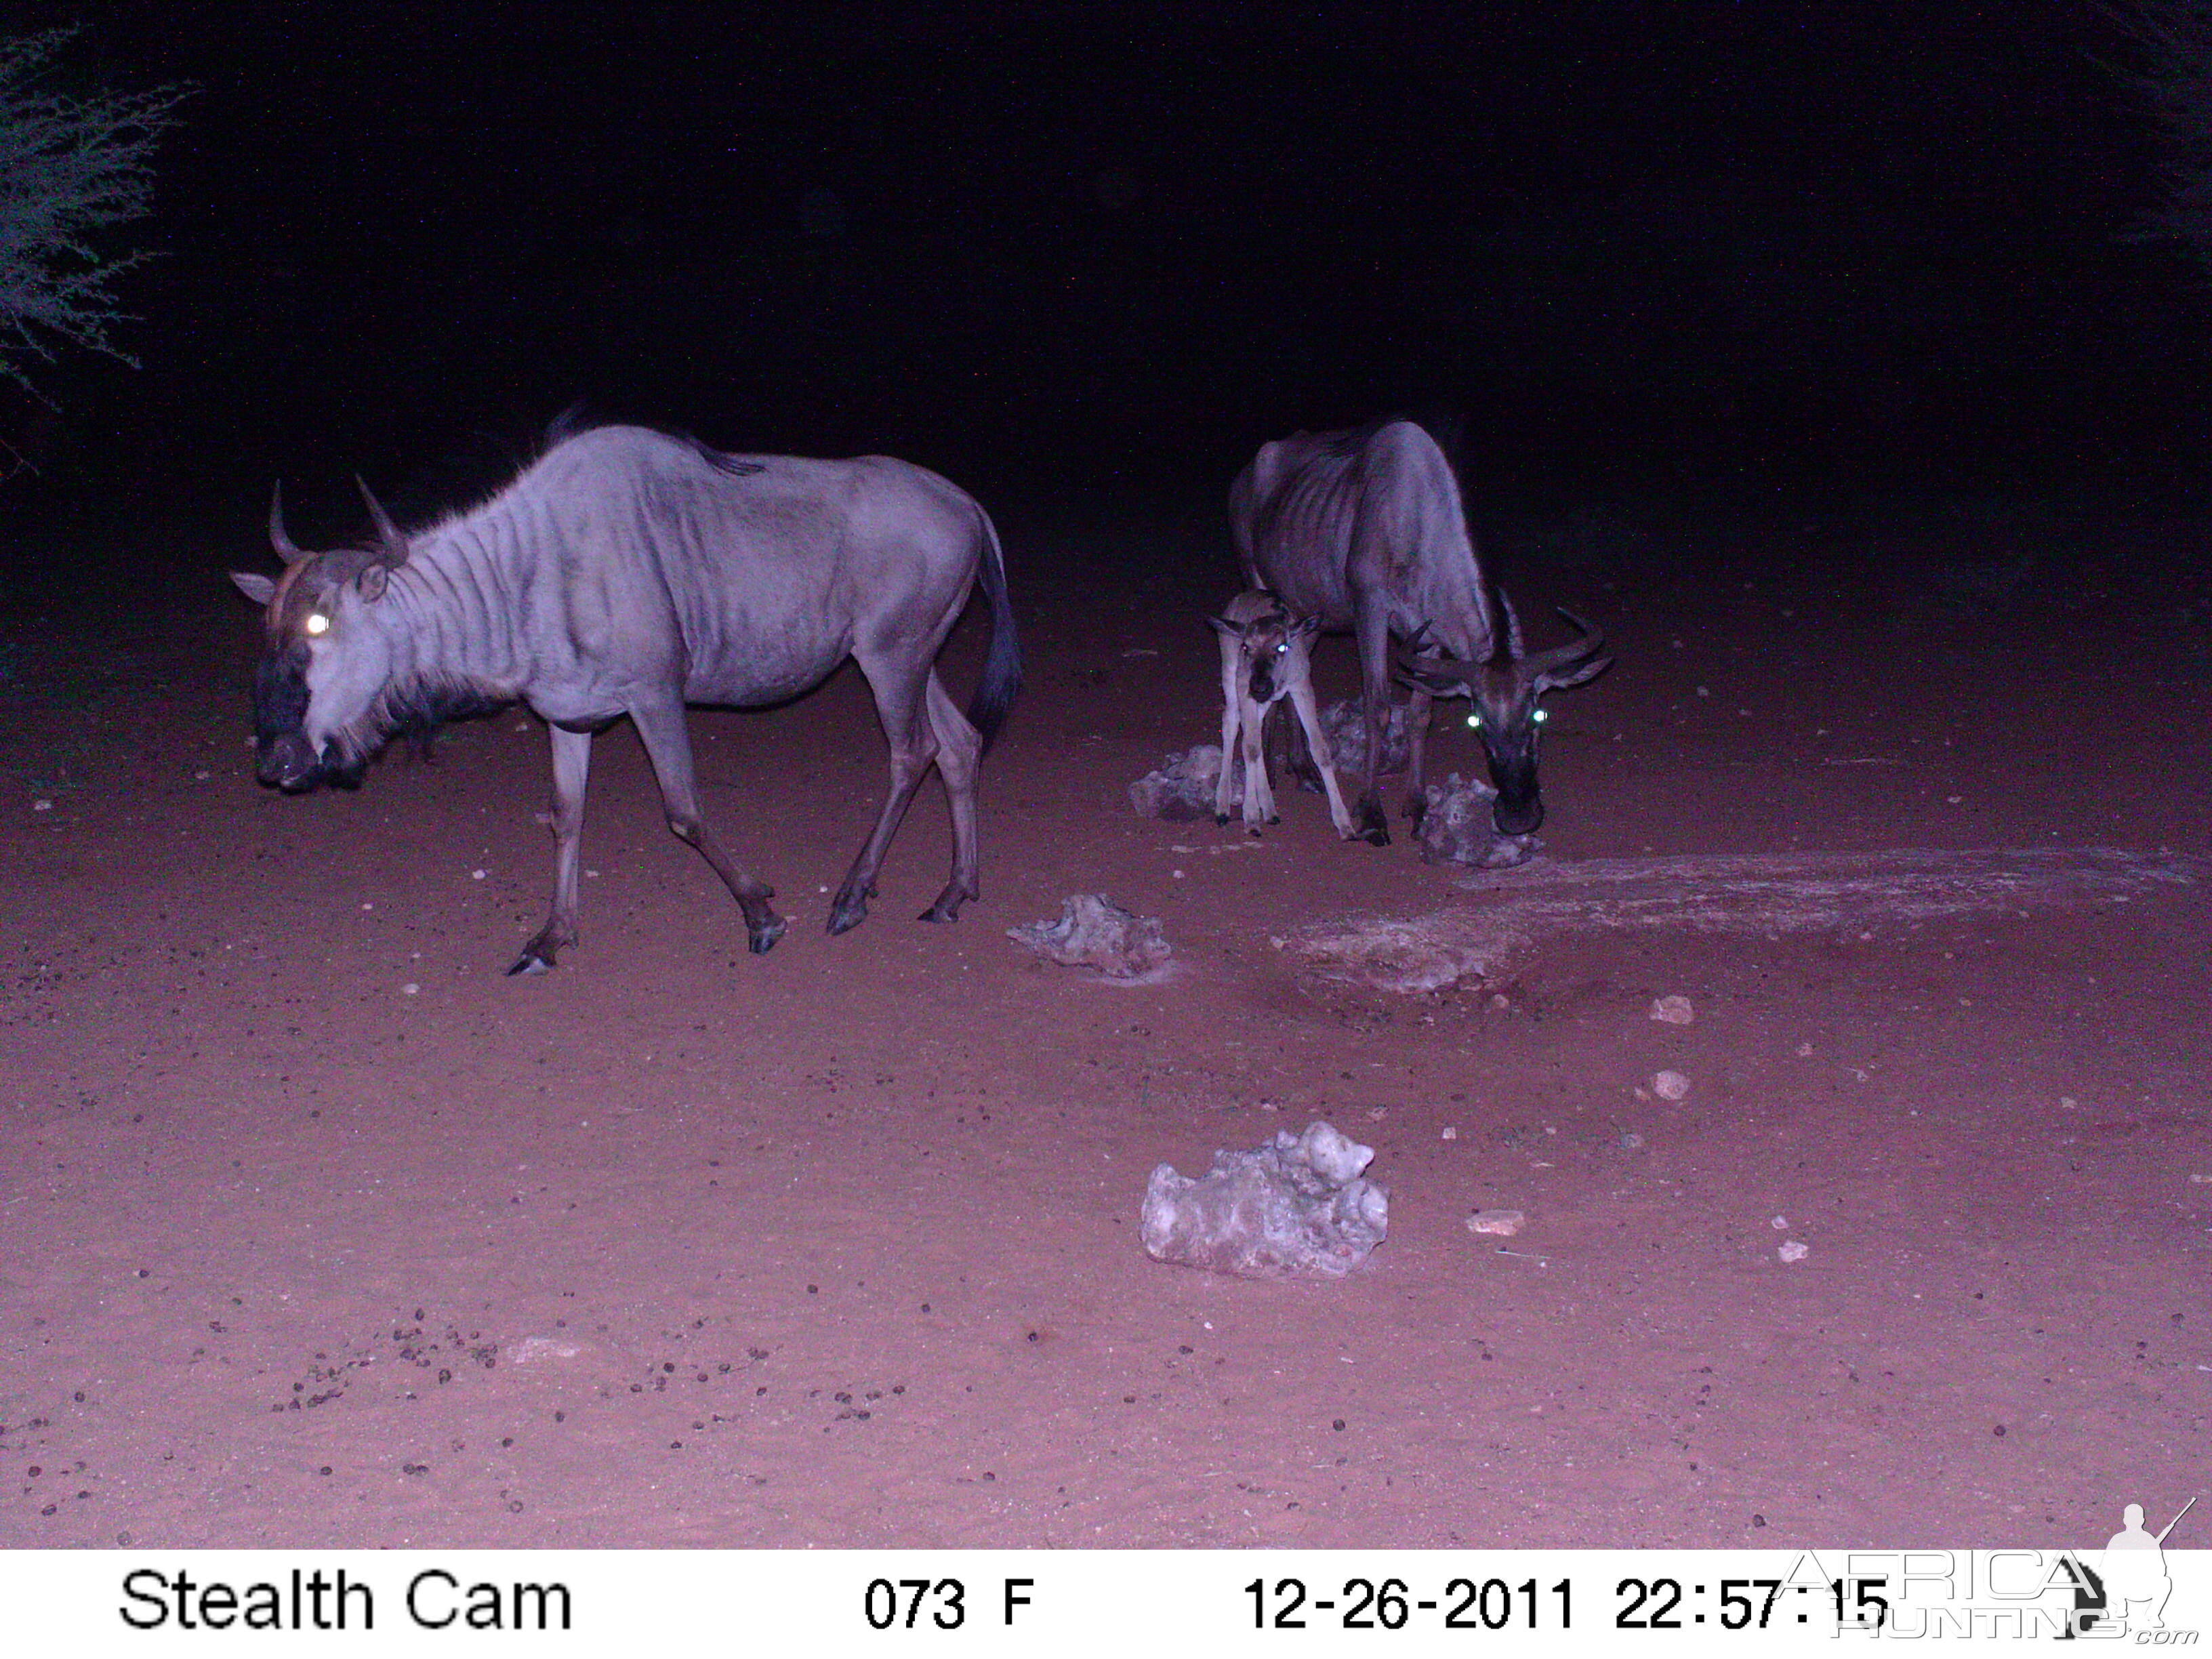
(572, 763)
(1309, 713)
(1416, 743)
(1371, 631)
(668, 746)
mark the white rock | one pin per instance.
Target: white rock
(1094, 932)
(1671, 1085)
(1673, 1011)
(1791, 1250)
(1502, 1223)
(1298, 1205)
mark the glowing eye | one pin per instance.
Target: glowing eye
(318, 622)
(1282, 650)
(1538, 715)
(1475, 720)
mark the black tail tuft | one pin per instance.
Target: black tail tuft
(1002, 668)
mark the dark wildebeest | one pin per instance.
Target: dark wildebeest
(1366, 531)
(628, 572)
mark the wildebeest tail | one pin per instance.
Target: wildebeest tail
(1002, 668)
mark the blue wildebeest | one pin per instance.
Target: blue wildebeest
(628, 572)
(1366, 531)
(1267, 656)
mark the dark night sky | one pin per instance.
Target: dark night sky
(1805, 243)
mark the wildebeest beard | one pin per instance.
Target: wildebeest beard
(410, 708)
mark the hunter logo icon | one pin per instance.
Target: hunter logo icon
(2136, 1583)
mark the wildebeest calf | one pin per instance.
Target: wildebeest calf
(1266, 656)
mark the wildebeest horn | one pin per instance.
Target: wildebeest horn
(1539, 663)
(389, 541)
(1417, 669)
(277, 539)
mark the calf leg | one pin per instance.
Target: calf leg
(959, 750)
(1259, 794)
(1231, 702)
(668, 746)
(571, 763)
(900, 700)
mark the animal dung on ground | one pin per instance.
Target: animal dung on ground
(1458, 828)
(1673, 1011)
(1182, 790)
(1296, 1206)
(1502, 1224)
(1094, 932)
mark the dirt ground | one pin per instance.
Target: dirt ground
(315, 1230)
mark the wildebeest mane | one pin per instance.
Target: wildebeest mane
(574, 422)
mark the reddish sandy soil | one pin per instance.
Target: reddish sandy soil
(315, 1230)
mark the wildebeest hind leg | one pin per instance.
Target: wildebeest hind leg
(572, 763)
(668, 746)
(958, 751)
(907, 727)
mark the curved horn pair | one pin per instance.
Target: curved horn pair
(1546, 668)
(389, 542)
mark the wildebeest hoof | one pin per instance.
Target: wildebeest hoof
(1374, 825)
(532, 961)
(1221, 817)
(848, 910)
(947, 907)
(761, 940)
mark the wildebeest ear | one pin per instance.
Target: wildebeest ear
(256, 586)
(1223, 626)
(371, 582)
(1305, 625)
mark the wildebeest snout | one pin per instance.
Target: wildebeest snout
(1518, 817)
(288, 762)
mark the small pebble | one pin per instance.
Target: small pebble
(410, 989)
(1451, 1134)
(1673, 1011)
(1630, 1141)
(1780, 1224)
(1791, 1250)
(1671, 1085)
(42, 806)
(476, 875)
(1502, 1222)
